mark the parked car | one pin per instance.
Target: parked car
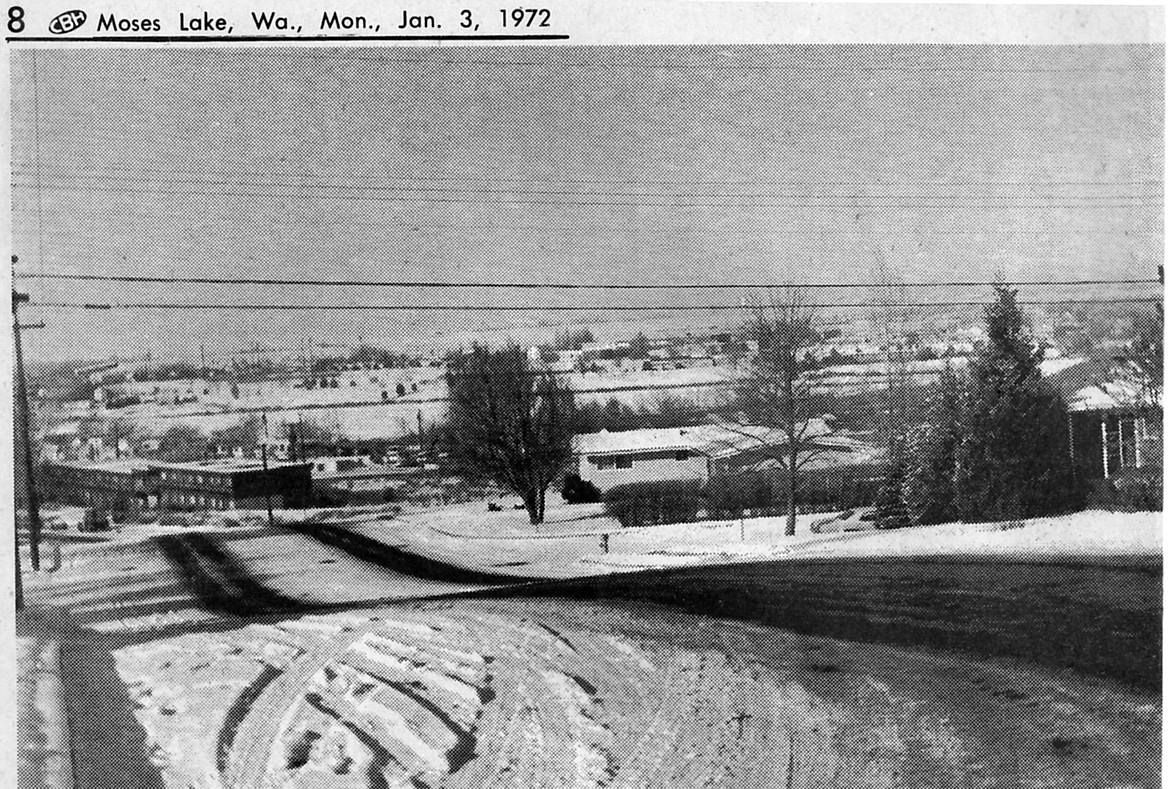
(94, 520)
(860, 519)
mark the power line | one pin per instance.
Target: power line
(126, 278)
(800, 66)
(415, 177)
(320, 185)
(269, 307)
(397, 223)
(847, 204)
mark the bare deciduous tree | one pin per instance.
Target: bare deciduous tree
(509, 422)
(889, 318)
(773, 394)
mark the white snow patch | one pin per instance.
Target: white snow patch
(400, 730)
(367, 647)
(633, 652)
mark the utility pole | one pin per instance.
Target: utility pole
(264, 464)
(34, 515)
(421, 450)
(292, 440)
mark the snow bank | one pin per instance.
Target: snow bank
(1089, 534)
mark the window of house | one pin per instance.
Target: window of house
(624, 461)
(682, 454)
(602, 462)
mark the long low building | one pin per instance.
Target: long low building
(233, 483)
(220, 484)
(117, 486)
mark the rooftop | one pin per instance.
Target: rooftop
(1102, 382)
(225, 465)
(127, 466)
(714, 440)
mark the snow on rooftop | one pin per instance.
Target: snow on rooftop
(1108, 395)
(706, 439)
(1054, 366)
(225, 465)
(64, 429)
(125, 466)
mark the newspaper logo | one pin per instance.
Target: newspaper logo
(67, 22)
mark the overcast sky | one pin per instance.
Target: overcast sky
(563, 164)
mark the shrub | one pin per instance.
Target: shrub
(763, 493)
(652, 503)
(579, 491)
(733, 495)
(1131, 490)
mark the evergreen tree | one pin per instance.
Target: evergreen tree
(639, 346)
(930, 478)
(1013, 461)
(892, 512)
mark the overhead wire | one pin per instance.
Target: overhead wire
(271, 307)
(382, 283)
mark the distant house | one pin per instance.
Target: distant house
(1114, 422)
(337, 464)
(615, 458)
(61, 441)
(678, 363)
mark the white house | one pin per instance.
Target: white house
(609, 459)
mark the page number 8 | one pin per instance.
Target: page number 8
(15, 19)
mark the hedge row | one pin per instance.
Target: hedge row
(739, 495)
(651, 503)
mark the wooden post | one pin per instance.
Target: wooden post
(1139, 434)
(1105, 445)
(264, 464)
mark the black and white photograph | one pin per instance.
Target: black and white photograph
(763, 395)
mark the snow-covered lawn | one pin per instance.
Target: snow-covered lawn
(570, 541)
